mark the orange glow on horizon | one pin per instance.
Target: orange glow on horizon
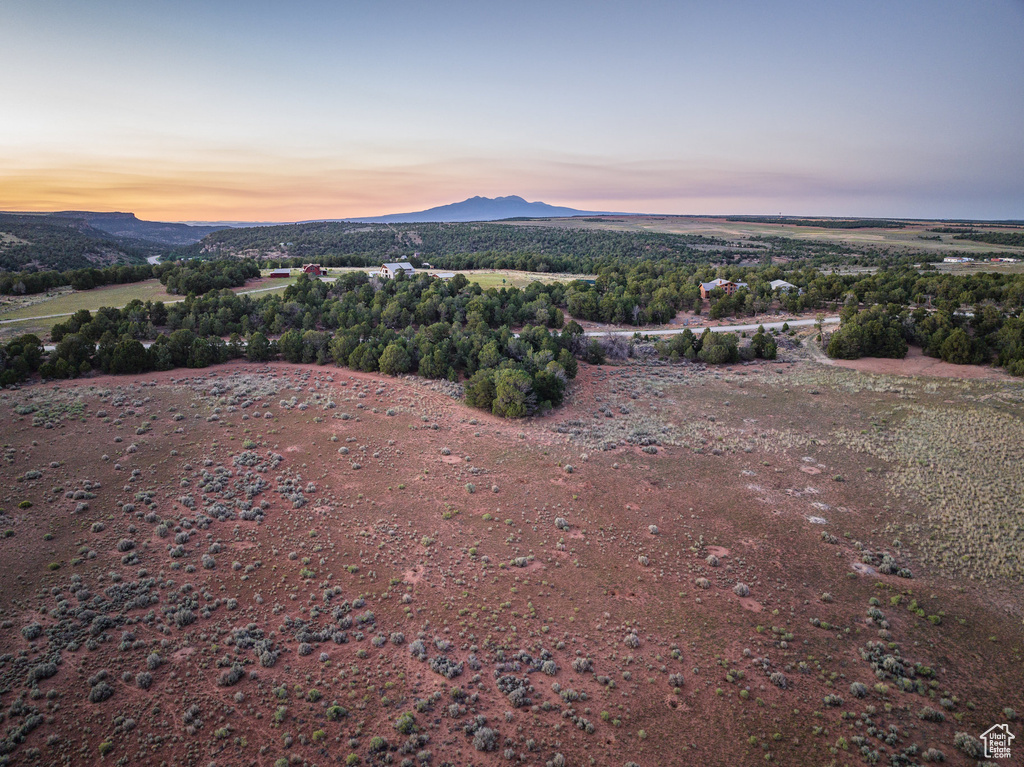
(232, 195)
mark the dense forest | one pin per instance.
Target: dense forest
(994, 238)
(39, 242)
(522, 247)
(30, 244)
(457, 246)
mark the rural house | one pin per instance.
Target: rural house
(728, 286)
(782, 286)
(314, 269)
(391, 270)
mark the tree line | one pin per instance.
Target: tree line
(454, 329)
(444, 330)
(994, 238)
(28, 283)
(983, 336)
(198, 277)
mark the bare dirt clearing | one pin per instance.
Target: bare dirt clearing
(917, 364)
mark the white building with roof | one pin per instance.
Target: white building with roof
(392, 269)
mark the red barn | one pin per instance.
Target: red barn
(314, 269)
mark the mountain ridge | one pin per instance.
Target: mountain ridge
(128, 225)
(475, 209)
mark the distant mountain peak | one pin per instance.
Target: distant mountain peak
(478, 209)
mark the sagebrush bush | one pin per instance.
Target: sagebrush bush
(582, 665)
(969, 745)
(100, 692)
(231, 676)
(485, 739)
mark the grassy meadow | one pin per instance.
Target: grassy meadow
(37, 314)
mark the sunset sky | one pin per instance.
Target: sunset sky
(274, 111)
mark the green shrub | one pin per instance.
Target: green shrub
(406, 723)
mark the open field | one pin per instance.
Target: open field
(40, 313)
(775, 563)
(507, 278)
(516, 279)
(981, 266)
(908, 238)
(69, 301)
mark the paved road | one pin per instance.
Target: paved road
(40, 317)
(669, 332)
(697, 329)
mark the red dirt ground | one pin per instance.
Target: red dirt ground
(917, 364)
(397, 535)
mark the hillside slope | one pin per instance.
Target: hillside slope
(41, 242)
(128, 226)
